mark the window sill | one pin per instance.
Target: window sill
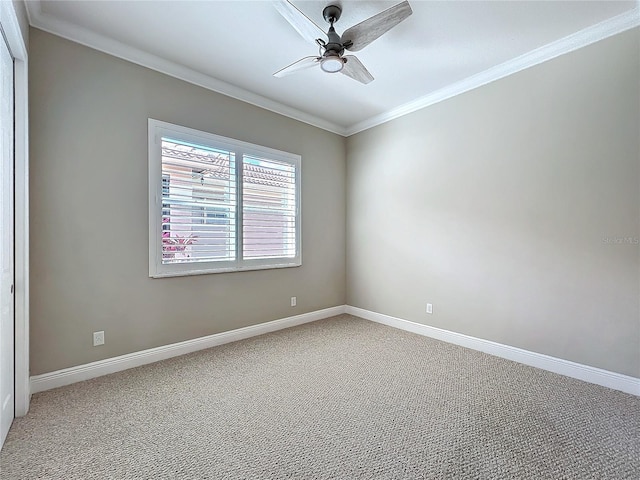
(210, 271)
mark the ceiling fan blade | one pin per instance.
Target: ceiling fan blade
(302, 64)
(355, 69)
(298, 20)
(365, 32)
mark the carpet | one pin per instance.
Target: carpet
(340, 398)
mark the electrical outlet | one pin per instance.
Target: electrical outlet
(293, 301)
(98, 338)
(429, 308)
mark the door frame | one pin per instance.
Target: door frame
(13, 34)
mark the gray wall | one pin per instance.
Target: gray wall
(89, 211)
(496, 207)
(504, 207)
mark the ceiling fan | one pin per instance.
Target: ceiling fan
(331, 57)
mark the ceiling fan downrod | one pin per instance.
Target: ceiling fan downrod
(333, 46)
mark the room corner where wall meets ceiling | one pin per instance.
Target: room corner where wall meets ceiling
(514, 209)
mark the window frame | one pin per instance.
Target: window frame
(158, 129)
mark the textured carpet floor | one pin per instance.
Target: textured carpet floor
(341, 398)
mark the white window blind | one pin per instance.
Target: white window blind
(268, 208)
(218, 204)
(198, 203)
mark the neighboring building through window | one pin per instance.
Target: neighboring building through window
(218, 204)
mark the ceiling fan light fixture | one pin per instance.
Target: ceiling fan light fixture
(332, 64)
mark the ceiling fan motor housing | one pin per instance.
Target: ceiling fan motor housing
(334, 43)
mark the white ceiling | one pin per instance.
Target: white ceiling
(234, 47)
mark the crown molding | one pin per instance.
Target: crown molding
(575, 41)
(570, 43)
(107, 45)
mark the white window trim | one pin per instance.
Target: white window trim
(158, 129)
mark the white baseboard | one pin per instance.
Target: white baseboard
(67, 376)
(71, 375)
(586, 373)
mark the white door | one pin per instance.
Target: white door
(7, 402)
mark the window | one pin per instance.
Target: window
(219, 205)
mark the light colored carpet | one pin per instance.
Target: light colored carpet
(341, 398)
